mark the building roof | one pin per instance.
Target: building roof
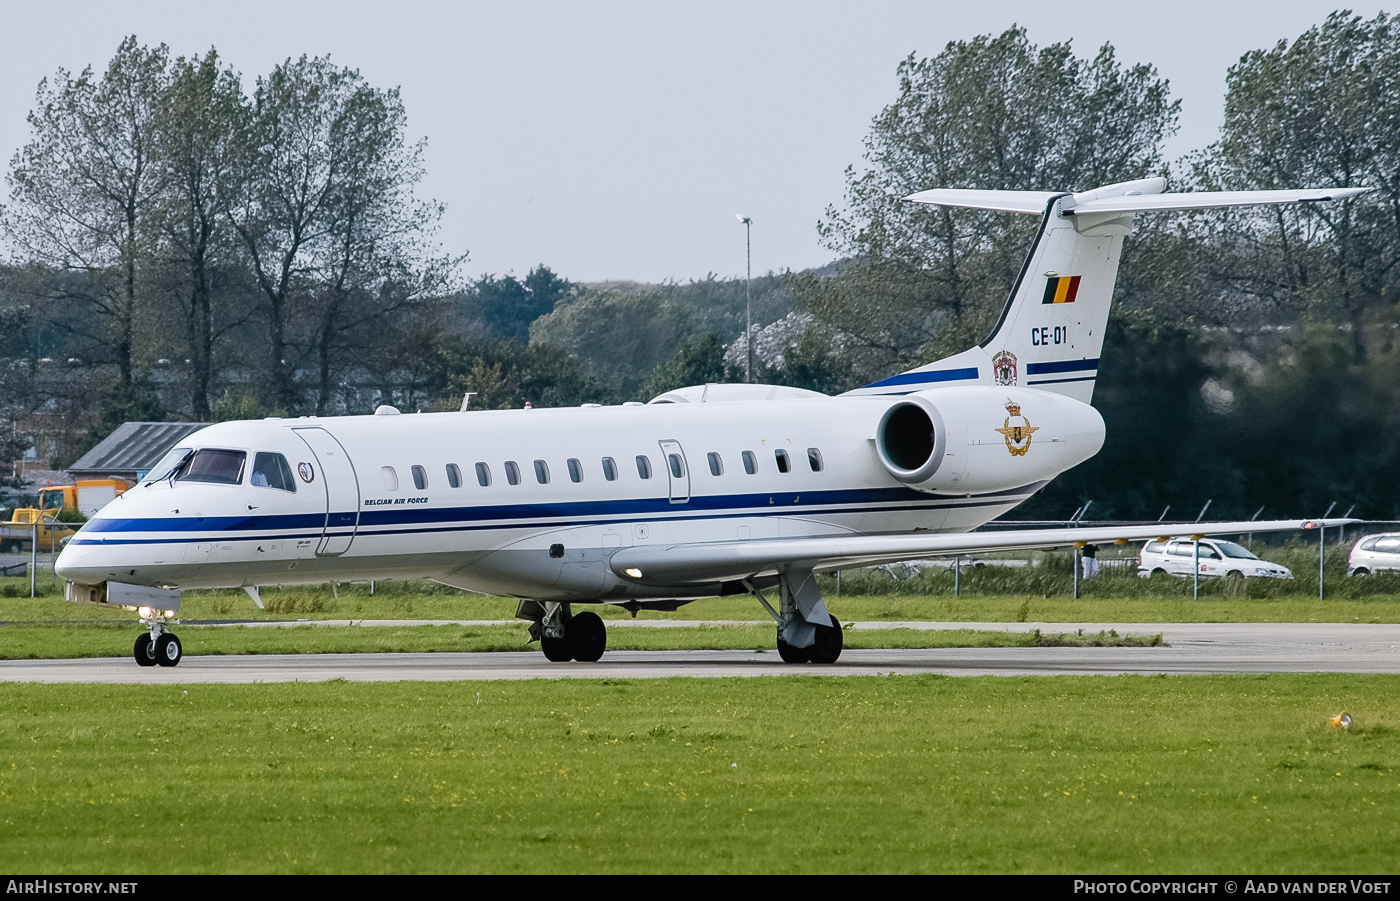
(132, 449)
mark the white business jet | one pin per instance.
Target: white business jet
(705, 491)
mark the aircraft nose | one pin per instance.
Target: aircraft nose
(74, 565)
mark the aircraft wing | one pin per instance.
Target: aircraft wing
(728, 560)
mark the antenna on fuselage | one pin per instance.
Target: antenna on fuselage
(467, 399)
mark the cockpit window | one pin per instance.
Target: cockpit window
(169, 465)
(272, 471)
(211, 465)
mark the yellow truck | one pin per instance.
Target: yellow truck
(18, 535)
(86, 497)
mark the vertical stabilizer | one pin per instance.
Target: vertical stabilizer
(1051, 330)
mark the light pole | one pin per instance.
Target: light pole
(748, 296)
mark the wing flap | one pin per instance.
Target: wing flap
(729, 560)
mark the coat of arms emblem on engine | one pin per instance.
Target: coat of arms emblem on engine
(1016, 434)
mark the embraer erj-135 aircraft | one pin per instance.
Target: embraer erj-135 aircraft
(704, 491)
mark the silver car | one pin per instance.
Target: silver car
(1217, 558)
(1374, 553)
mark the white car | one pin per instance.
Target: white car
(1217, 559)
(1374, 553)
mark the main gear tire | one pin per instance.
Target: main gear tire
(791, 654)
(556, 650)
(830, 640)
(587, 637)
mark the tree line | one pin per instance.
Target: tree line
(267, 241)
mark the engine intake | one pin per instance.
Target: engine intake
(911, 439)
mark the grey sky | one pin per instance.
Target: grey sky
(617, 140)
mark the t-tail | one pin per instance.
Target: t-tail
(1051, 330)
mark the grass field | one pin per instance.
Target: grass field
(794, 774)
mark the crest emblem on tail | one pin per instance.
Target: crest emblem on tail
(1004, 368)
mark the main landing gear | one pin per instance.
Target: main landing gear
(826, 646)
(157, 647)
(564, 636)
(807, 633)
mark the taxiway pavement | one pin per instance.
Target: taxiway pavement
(1193, 649)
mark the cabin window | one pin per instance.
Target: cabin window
(750, 463)
(677, 467)
(483, 475)
(784, 464)
(272, 471)
(209, 465)
(454, 475)
(610, 469)
(644, 466)
(542, 472)
(814, 459)
(391, 478)
(575, 470)
(716, 464)
(420, 478)
(512, 472)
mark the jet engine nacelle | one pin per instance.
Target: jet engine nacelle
(981, 439)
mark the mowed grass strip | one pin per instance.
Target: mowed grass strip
(66, 641)
(428, 600)
(1133, 775)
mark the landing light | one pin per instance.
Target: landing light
(145, 612)
(633, 572)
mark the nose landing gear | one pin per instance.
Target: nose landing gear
(157, 647)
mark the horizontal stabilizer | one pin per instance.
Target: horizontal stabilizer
(1035, 202)
(1201, 200)
(1005, 201)
(728, 560)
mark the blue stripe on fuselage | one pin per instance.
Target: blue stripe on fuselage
(377, 522)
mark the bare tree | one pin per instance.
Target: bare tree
(326, 214)
(200, 114)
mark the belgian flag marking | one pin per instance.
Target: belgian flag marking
(1061, 290)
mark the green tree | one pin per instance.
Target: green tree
(506, 306)
(1320, 112)
(82, 195)
(620, 337)
(505, 375)
(699, 361)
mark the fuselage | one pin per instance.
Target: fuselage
(533, 503)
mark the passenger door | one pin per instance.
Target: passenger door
(336, 474)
